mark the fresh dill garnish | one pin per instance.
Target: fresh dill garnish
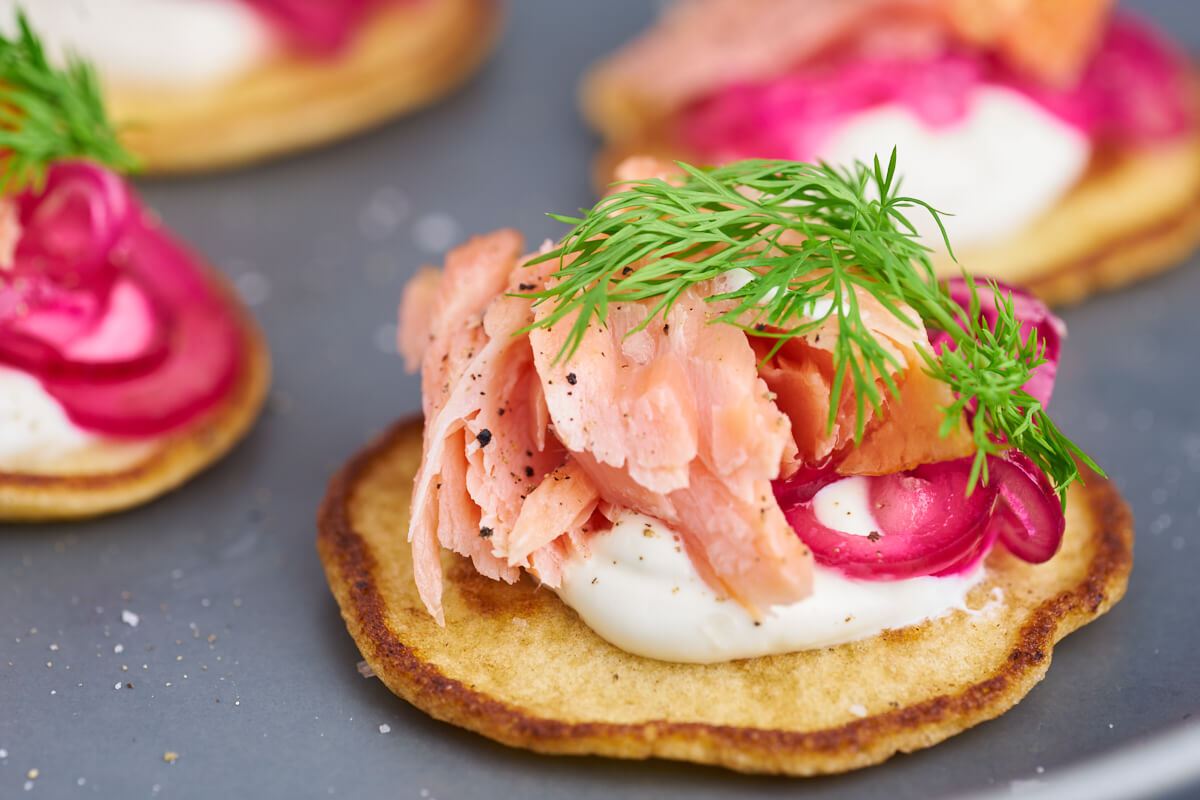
(48, 114)
(987, 371)
(807, 236)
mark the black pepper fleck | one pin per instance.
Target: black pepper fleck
(484, 437)
(571, 379)
(529, 472)
(485, 532)
(526, 287)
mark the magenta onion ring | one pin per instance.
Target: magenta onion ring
(928, 524)
(62, 280)
(322, 28)
(71, 225)
(117, 321)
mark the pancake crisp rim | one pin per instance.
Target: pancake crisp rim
(357, 578)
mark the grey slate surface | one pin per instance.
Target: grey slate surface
(239, 661)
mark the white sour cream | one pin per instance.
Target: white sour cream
(33, 426)
(150, 43)
(843, 506)
(996, 170)
(639, 590)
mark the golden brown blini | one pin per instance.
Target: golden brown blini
(112, 476)
(515, 664)
(403, 57)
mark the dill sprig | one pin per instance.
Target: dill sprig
(987, 372)
(807, 236)
(48, 114)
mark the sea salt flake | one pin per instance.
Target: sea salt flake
(118, 648)
(129, 618)
(858, 710)
(385, 728)
(364, 669)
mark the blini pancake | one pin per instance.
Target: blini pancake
(403, 57)
(515, 664)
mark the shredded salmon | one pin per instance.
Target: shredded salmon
(529, 453)
(1050, 40)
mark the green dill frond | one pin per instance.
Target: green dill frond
(49, 114)
(808, 236)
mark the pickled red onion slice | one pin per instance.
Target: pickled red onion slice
(1029, 520)
(793, 116)
(65, 309)
(127, 331)
(124, 336)
(118, 322)
(1033, 315)
(928, 525)
(69, 227)
(1136, 88)
(319, 26)
(803, 485)
(203, 348)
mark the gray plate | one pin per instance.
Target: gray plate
(239, 662)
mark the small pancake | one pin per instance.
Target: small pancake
(403, 57)
(518, 666)
(1135, 213)
(109, 477)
